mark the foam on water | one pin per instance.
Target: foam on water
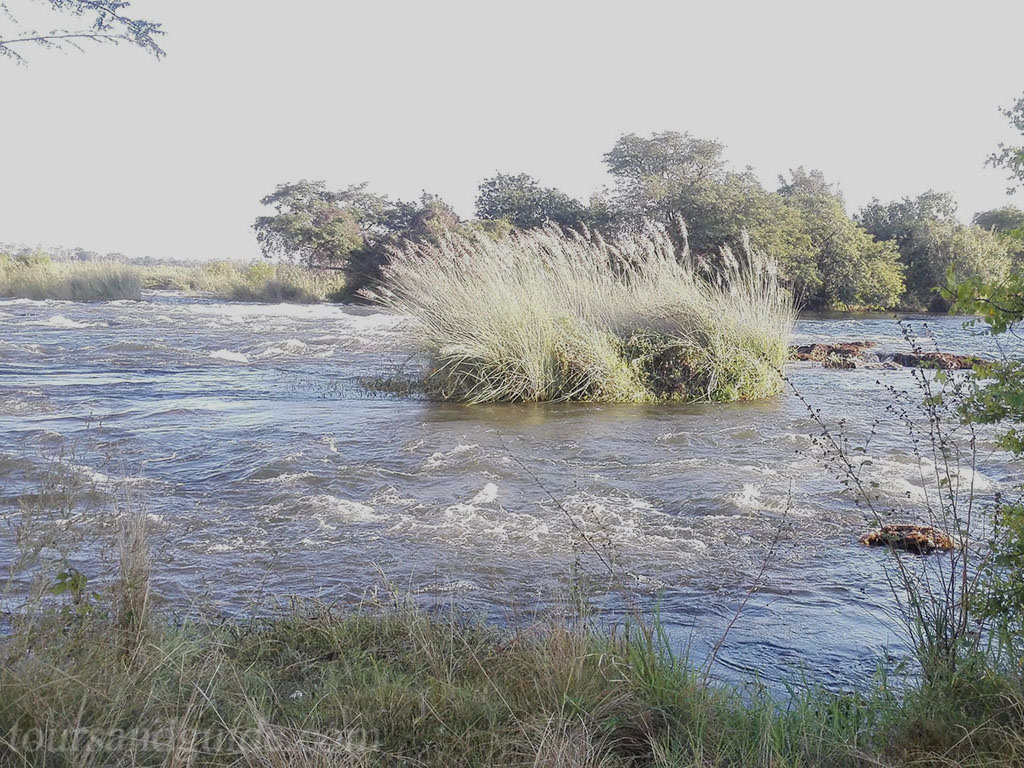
(60, 321)
(487, 495)
(228, 355)
(442, 459)
(330, 510)
(286, 347)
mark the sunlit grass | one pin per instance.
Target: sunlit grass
(41, 278)
(549, 315)
(258, 281)
(307, 685)
(38, 277)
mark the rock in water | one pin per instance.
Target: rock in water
(920, 539)
(942, 360)
(851, 354)
(819, 353)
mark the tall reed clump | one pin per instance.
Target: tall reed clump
(552, 315)
(40, 278)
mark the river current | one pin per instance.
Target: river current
(266, 467)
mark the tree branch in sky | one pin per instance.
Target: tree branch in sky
(95, 21)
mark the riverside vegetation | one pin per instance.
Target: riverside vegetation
(885, 256)
(37, 275)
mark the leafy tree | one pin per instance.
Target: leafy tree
(95, 21)
(803, 226)
(672, 176)
(393, 225)
(803, 183)
(351, 229)
(849, 267)
(1002, 220)
(315, 225)
(675, 175)
(1011, 158)
(524, 203)
(932, 242)
(895, 221)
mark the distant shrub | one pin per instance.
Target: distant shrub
(547, 315)
(38, 277)
(266, 282)
(258, 281)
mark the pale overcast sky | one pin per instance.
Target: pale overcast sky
(115, 151)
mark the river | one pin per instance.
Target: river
(267, 468)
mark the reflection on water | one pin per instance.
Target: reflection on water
(266, 466)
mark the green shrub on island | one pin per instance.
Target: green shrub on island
(36, 276)
(550, 315)
(883, 257)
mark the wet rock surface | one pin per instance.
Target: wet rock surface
(820, 353)
(920, 539)
(863, 354)
(941, 360)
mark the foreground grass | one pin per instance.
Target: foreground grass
(548, 315)
(38, 277)
(311, 686)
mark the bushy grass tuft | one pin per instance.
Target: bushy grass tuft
(551, 315)
(259, 281)
(40, 278)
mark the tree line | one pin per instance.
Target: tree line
(887, 255)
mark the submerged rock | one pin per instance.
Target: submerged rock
(942, 360)
(852, 354)
(821, 353)
(843, 361)
(920, 539)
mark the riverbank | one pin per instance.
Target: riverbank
(38, 277)
(310, 685)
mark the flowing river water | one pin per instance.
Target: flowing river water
(267, 468)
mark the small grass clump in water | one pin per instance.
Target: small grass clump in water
(40, 278)
(550, 315)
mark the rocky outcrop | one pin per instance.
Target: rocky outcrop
(942, 360)
(853, 354)
(820, 353)
(920, 539)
